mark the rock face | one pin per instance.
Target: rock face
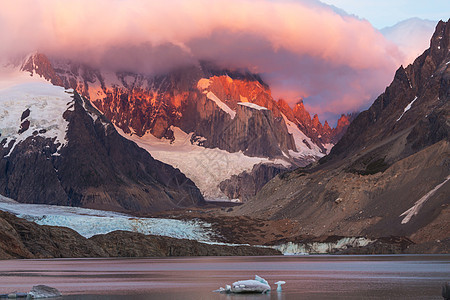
(200, 99)
(20, 238)
(255, 131)
(247, 184)
(225, 109)
(96, 168)
(418, 97)
(389, 174)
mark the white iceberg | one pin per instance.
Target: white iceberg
(279, 283)
(257, 285)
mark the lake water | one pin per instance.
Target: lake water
(307, 277)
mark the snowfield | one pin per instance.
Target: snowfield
(46, 103)
(90, 222)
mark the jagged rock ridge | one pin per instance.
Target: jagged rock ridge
(142, 104)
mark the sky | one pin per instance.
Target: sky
(385, 13)
(304, 49)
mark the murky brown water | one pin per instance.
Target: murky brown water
(307, 277)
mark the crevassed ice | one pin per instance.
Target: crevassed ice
(89, 222)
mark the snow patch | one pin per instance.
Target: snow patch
(408, 107)
(221, 105)
(252, 105)
(413, 211)
(328, 147)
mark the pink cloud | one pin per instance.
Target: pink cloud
(302, 48)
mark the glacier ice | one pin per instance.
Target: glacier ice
(90, 222)
(322, 247)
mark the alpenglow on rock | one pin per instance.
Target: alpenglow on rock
(70, 154)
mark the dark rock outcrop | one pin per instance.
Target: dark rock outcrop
(97, 168)
(257, 133)
(20, 238)
(247, 184)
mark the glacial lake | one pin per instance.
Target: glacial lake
(194, 278)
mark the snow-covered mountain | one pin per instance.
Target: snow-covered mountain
(214, 123)
(58, 149)
(412, 36)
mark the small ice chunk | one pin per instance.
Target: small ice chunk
(279, 283)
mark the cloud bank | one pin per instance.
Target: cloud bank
(307, 49)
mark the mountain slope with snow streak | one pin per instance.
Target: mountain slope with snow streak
(58, 149)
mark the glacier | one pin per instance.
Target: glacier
(90, 222)
(291, 248)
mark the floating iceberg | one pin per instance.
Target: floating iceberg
(279, 283)
(257, 285)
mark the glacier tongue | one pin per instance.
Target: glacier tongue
(90, 222)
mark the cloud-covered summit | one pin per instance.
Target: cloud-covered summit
(307, 49)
